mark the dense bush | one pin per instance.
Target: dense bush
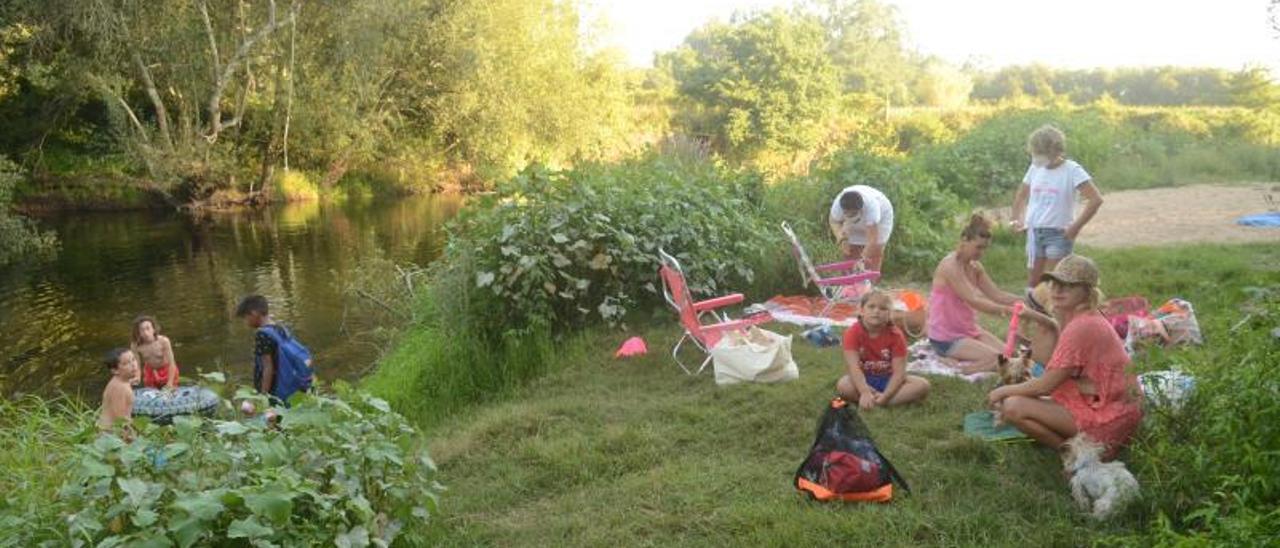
(554, 251)
(1209, 468)
(925, 214)
(19, 237)
(561, 248)
(338, 470)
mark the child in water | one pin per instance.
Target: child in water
(159, 369)
(117, 398)
(875, 355)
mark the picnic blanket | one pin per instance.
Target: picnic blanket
(981, 425)
(1270, 219)
(806, 310)
(922, 359)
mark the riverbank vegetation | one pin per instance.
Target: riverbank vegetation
(338, 469)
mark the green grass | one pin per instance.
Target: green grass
(36, 436)
(603, 452)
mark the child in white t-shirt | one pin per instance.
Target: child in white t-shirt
(1045, 204)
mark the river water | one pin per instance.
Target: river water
(59, 316)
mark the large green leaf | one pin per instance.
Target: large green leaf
(248, 528)
(205, 506)
(135, 489)
(274, 507)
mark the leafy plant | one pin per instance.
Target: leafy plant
(335, 470)
(561, 248)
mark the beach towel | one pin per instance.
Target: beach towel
(806, 310)
(923, 360)
(981, 425)
(1270, 219)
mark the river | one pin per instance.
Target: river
(59, 316)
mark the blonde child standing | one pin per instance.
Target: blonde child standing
(1044, 206)
(117, 398)
(875, 357)
(159, 369)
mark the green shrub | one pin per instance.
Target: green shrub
(556, 249)
(342, 470)
(294, 186)
(924, 213)
(19, 237)
(1209, 468)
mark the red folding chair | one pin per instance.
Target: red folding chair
(691, 313)
(841, 275)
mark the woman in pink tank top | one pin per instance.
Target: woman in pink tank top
(1089, 390)
(960, 289)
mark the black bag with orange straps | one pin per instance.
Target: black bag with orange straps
(843, 463)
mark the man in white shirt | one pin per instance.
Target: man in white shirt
(861, 219)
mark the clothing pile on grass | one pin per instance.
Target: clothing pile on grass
(1172, 323)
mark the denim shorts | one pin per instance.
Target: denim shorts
(878, 382)
(942, 347)
(1049, 243)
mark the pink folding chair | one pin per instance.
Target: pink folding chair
(691, 313)
(843, 275)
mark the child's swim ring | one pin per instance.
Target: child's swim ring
(185, 400)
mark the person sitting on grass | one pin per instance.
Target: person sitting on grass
(961, 285)
(1089, 389)
(117, 398)
(875, 356)
(159, 369)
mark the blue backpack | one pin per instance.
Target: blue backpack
(292, 361)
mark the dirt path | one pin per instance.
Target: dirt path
(1181, 215)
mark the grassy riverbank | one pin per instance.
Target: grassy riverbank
(634, 452)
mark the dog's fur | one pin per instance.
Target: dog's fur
(1100, 488)
(1014, 370)
(1011, 371)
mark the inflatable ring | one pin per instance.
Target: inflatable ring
(161, 407)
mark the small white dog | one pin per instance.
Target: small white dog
(1100, 488)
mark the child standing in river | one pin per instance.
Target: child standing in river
(117, 398)
(159, 369)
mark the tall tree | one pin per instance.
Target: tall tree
(762, 82)
(866, 43)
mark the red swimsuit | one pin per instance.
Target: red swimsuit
(157, 377)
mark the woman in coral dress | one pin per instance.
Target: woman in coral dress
(1089, 390)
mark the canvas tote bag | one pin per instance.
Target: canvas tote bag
(758, 355)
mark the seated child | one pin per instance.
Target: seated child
(159, 369)
(269, 339)
(875, 354)
(117, 398)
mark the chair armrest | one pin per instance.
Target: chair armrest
(870, 275)
(736, 324)
(842, 265)
(717, 302)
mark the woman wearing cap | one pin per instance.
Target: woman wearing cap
(1088, 388)
(961, 288)
(861, 219)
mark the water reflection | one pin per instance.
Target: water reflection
(58, 317)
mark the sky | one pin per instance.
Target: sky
(993, 33)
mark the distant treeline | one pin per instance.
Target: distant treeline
(1149, 86)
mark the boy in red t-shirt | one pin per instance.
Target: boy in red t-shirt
(875, 355)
